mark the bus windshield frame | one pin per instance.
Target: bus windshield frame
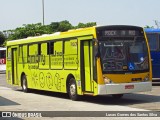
(122, 45)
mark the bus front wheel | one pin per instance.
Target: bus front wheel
(72, 90)
(24, 84)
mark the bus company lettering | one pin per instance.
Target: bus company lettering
(56, 60)
(70, 60)
(42, 59)
(33, 59)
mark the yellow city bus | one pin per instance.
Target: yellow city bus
(90, 61)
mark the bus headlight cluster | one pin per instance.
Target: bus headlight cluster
(146, 78)
(107, 80)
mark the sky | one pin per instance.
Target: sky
(15, 13)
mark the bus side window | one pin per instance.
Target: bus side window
(20, 54)
(48, 50)
(25, 53)
(152, 39)
(159, 41)
(39, 49)
(51, 48)
(33, 49)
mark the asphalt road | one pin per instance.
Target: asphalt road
(13, 99)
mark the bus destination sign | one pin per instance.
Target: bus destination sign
(110, 33)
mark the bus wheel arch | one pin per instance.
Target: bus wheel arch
(24, 83)
(71, 87)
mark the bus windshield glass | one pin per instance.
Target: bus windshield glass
(2, 54)
(124, 54)
(153, 41)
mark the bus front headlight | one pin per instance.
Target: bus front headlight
(107, 80)
(146, 78)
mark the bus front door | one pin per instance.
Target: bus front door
(14, 66)
(86, 65)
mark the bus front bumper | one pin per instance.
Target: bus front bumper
(124, 88)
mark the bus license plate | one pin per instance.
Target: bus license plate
(129, 86)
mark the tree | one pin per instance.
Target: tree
(29, 30)
(2, 38)
(64, 26)
(60, 26)
(83, 25)
(54, 26)
(147, 26)
(38, 29)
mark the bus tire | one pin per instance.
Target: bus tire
(24, 84)
(117, 96)
(72, 90)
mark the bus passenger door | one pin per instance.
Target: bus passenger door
(86, 62)
(14, 66)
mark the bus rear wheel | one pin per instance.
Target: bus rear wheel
(24, 84)
(72, 90)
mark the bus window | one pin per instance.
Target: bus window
(20, 54)
(152, 39)
(39, 49)
(43, 56)
(3, 54)
(51, 48)
(159, 41)
(25, 53)
(33, 53)
(70, 54)
(57, 57)
(33, 49)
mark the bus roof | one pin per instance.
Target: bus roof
(152, 30)
(68, 34)
(57, 35)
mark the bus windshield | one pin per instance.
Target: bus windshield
(153, 41)
(2, 54)
(123, 54)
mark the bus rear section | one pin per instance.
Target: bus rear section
(2, 59)
(153, 36)
(123, 62)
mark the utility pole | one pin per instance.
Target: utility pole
(43, 10)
